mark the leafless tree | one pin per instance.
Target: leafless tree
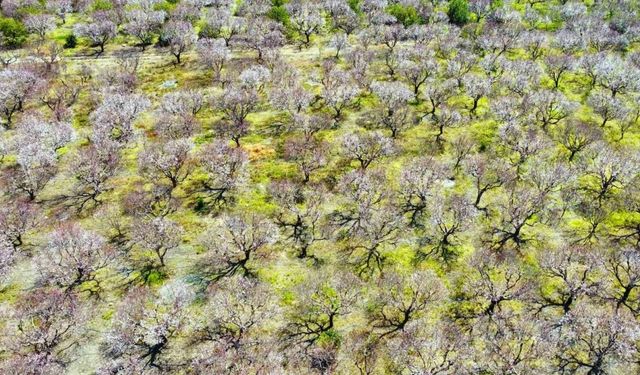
(225, 168)
(158, 235)
(43, 327)
(168, 161)
(366, 147)
(234, 243)
(236, 103)
(180, 36)
(73, 257)
(99, 32)
(144, 328)
(400, 300)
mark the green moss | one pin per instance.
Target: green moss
(156, 278)
(107, 315)
(330, 338)
(401, 256)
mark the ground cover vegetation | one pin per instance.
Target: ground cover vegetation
(319, 187)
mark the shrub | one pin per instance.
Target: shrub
(354, 5)
(167, 6)
(70, 41)
(102, 5)
(279, 13)
(208, 32)
(13, 32)
(407, 15)
(458, 12)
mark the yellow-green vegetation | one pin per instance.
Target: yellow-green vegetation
(319, 187)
